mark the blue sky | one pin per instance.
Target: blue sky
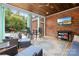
(21, 13)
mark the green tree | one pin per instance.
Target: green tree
(7, 18)
(14, 21)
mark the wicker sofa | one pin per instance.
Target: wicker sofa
(14, 40)
(29, 51)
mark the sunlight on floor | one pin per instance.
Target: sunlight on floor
(52, 46)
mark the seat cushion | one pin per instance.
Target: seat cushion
(76, 38)
(30, 51)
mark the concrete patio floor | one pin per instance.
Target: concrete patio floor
(52, 46)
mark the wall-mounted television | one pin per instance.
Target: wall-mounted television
(64, 21)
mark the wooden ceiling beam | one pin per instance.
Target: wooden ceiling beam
(45, 8)
(56, 7)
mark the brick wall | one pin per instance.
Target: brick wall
(34, 25)
(52, 27)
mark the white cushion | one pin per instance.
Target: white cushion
(4, 44)
(76, 38)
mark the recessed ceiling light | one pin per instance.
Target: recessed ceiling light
(42, 5)
(47, 12)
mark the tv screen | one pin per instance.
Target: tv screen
(64, 21)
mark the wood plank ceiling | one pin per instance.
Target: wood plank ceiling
(45, 9)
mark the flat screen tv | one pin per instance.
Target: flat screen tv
(64, 21)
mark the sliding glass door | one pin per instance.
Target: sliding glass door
(2, 22)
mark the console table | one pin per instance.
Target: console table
(65, 35)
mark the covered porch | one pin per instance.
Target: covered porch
(42, 28)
